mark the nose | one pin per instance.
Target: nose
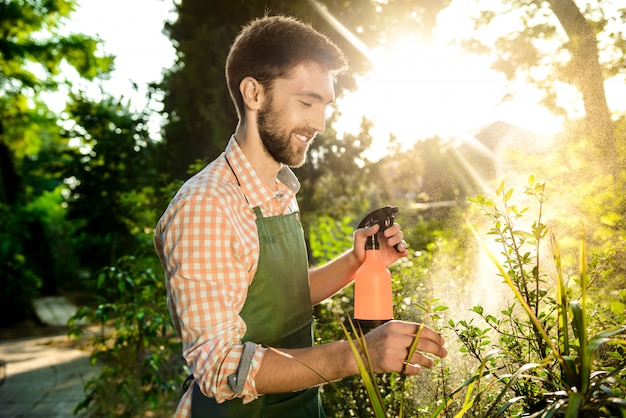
(319, 121)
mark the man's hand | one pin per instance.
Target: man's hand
(388, 347)
(390, 237)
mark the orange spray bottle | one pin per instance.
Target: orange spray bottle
(373, 301)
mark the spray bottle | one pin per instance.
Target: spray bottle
(373, 301)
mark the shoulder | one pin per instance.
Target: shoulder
(210, 196)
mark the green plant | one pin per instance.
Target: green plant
(136, 347)
(20, 281)
(545, 362)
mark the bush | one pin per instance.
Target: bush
(141, 368)
(537, 358)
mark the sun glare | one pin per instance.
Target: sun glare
(418, 91)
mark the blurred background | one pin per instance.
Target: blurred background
(106, 107)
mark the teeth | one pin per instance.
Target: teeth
(302, 138)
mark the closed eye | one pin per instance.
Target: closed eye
(305, 104)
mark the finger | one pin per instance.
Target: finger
(413, 329)
(421, 360)
(368, 230)
(429, 341)
(361, 234)
(427, 333)
(395, 238)
(392, 230)
(428, 346)
(411, 368)
(400, 248)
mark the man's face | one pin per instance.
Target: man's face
(294, 112)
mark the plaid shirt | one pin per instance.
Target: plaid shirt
(208, 245)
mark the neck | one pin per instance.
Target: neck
(247, 136)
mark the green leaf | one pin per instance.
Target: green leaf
(500, 188)
(507, 196)
(523, 234)
(573, 406)
(366, 373)
(617, 308)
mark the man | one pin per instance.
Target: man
(233, 250)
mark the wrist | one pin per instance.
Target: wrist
(354, 261)
(350, 360)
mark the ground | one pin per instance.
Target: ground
(29, 328)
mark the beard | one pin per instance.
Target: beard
(277, 141)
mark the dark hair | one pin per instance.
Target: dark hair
(270, 47)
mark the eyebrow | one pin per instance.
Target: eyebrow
(315, 96)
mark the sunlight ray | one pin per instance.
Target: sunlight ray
(339, 27)
(476, 145)
(471, 171)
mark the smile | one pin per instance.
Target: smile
(302, 138)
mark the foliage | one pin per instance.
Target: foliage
(136, 348)
(591, 201)
(33, 52)
(332, 179)
(329, 238)
(110, 173)
(85, 182)
(395, 384)
(361, 354)
(537, 364)
(425, 173)
(554, 44)
(546, 354)
(20, 282)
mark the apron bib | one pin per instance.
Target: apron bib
(277, 313)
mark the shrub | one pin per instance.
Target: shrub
(141, 369)
(537, 358)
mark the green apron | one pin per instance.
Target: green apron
(277, 313)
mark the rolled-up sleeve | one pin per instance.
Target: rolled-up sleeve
(209, 259)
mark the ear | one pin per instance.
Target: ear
(252, 93)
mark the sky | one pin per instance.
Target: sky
(132, 31)
(416, 91)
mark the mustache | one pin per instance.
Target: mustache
(308, 132)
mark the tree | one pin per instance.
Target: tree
(338, 181)
(32, 51)
(113, 161)
(553, 42)
(31, 42)
(585, 71)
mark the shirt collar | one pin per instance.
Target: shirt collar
(288, 178)
(254, 189)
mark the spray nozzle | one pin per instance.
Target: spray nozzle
(384, 217)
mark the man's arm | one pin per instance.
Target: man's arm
(207, 284)
(387, 345)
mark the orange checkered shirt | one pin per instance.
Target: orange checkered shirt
(208, 245)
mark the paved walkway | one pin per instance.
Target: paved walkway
(45, 376)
